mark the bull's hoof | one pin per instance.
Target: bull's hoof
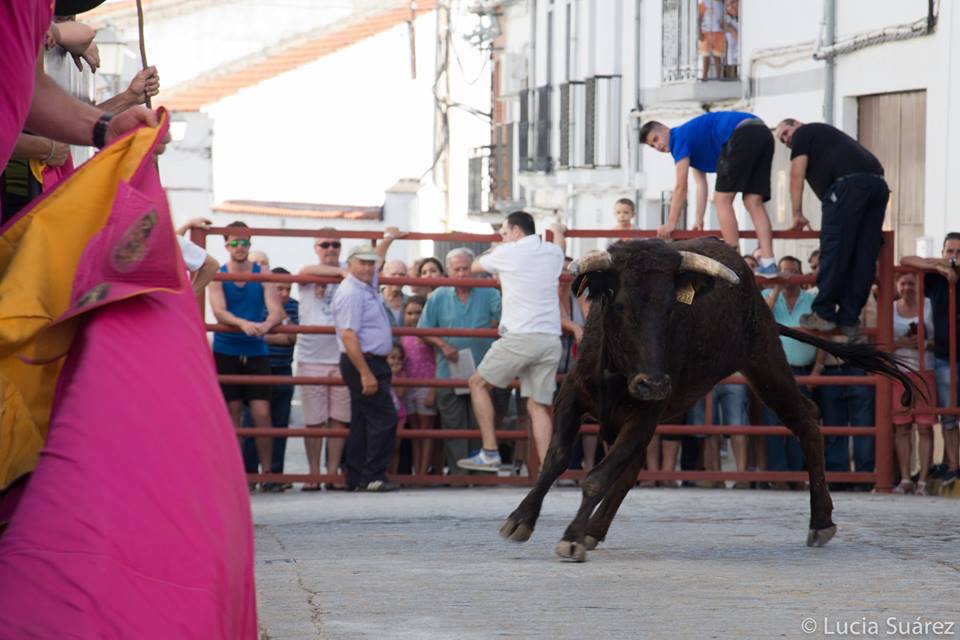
(516, 531)
(590, 542)
(820, 537)
(571, 551)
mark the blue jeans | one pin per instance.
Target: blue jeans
(942, 374)
(843, 406)
(729, 406)
(784, 452)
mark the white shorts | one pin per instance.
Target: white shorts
(322, 402)
(416, 402)
(532, 357)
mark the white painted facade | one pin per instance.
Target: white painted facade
(625, 37)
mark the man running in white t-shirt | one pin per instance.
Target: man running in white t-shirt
(529, 345)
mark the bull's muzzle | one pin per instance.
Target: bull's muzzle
(644, 387)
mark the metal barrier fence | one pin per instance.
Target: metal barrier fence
(882, 431)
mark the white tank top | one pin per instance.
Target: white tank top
(902, 327)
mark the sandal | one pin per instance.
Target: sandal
(311, 486)
(905, 487)
(921, 489)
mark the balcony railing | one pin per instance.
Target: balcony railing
(701, 40)
(534, 129)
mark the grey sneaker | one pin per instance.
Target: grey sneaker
(813, 322)
(481, 460)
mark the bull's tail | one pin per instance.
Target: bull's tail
(866, 357)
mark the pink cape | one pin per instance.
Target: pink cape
(136, 521)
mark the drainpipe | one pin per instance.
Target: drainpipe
(829, 37)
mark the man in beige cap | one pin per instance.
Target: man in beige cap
(363, 335)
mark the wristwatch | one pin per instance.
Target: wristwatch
(100, 130)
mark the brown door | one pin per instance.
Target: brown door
(893, 126)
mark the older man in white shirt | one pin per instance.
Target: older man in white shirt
(529, 345)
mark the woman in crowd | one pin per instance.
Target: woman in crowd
(906, 312)
(429, 267)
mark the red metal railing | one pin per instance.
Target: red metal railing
(882, 430)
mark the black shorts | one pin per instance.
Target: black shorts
(243, 366)
(746, 161)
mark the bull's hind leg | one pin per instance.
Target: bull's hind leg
(520, 524)
(630, 444)
(773, 381)
(602, 518)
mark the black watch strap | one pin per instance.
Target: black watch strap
(100, 130)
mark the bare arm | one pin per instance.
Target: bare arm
(145, 83)
(559, 235)
(218, 304)
(798, 172)
(281, 339)
(204, 275)
(700, 178)
(275, 312)
(322, 270)
(476, 267)
(75, 37)
(771, 298)
(351, 344)
(56, 114)
(941, 265)
(678, 200)
(389, 235)
(30, 147)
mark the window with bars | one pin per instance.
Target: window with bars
(701, 40)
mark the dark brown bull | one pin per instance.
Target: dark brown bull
(647, 356)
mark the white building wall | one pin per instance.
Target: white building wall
(789, 84)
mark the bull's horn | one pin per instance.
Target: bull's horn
(594, 260)
(707, 266)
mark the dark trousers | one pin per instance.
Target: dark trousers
(280, 399)
(784, 453)
(850, 238)
(373, 423)
(843, 406)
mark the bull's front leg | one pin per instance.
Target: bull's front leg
(569, 410)
(631, 443)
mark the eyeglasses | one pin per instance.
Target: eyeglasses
(243, 242)
(328, 245)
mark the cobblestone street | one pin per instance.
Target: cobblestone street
(684, 563)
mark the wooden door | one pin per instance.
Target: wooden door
(893, 127)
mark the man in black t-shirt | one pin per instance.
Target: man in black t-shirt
(936, 286)
(849, 182)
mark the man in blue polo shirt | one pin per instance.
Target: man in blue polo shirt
(738, 147)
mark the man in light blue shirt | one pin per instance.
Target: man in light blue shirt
(788, 302)
(461, 308)
(364, 338)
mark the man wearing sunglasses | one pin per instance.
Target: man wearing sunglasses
(241, 305)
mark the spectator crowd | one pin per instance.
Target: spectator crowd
(486, 403)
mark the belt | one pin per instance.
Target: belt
(374, 356)
(861, 174)
(750, 121)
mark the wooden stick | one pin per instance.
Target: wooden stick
(143, 47)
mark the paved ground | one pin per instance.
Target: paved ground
(681, 563)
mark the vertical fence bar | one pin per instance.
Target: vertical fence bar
(198, 237)
(952, 343)
(883, 453)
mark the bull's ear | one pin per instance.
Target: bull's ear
(594, 283)
(689, 285)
